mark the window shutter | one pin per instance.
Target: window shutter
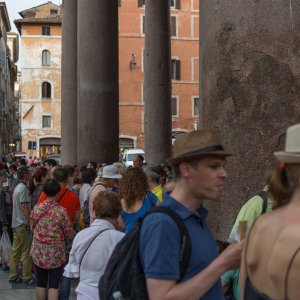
(177, 66)
(177, 4)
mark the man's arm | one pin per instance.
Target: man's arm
(198, 285)
(26, 212)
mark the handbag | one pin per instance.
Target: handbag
(5, 247)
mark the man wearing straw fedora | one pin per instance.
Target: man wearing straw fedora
(199, 164)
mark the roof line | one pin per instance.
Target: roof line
(28, 9)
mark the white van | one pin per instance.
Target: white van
(129, 155)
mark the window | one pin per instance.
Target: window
(175, 69)
(175, 105)
(53, 12)
(46, 90)
(46, 30)
(141, 3)
(173, 24)
(46, 121)
(143, 25)
(196, 107)
(175, 4)
(46, 58)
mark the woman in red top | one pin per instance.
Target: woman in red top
(51, 228)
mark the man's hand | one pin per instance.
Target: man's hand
(231, 256)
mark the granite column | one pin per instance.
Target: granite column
(98, 84)
(69, 83)
(157, 84)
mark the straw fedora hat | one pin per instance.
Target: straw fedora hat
(292, 146)
(194, 144)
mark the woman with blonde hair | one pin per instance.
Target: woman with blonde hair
(271, 261)
(135, 197)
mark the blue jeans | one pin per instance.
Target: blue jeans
(64, 286)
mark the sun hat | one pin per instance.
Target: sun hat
(194, 144)
(292, 146)
(111, 172)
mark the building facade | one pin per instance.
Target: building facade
(41, 73)
(40, 84)
(184, 68)
(9, 54)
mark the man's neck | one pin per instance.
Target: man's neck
(182, 193)
(153, 185)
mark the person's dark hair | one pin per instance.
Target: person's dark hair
(282, 183)
(133, 186)
(51, 162)
(51, 188)
(140, 156)
(88, 175)
(22, 172)
(37, 177)
(107, 205)
(23, 162)
(13, 167)
(61, 174)
(70, 170)
(93, 164)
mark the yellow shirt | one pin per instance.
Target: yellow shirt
(158, 191)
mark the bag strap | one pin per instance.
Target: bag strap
(42, 215)
(92, 188)
(264, 196)
(91, 242)
(286, 281)
(61, 197)
(186, 245)
(148, 194)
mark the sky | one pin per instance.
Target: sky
(15, 6)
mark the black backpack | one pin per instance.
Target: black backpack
(124, 273)
(264, 196)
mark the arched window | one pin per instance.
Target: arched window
(46, 58)
(46, 90)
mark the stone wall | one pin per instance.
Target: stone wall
(250, 67)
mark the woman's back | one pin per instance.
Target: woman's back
(271, 254)
(131, 217)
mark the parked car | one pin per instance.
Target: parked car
(129, 155)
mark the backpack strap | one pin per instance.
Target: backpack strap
(186, 245)
(264, 196)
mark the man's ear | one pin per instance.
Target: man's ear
(185, 169)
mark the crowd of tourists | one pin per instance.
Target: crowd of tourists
(141, 232)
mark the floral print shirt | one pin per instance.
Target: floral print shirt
(51, 227)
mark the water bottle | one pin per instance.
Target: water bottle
(118, 296)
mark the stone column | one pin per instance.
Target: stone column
(98, 84)
(69, 83)
(250, 66)
(157, 85)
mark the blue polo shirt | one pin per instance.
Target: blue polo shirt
(160, 246)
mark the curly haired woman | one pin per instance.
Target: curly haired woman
(135, 196)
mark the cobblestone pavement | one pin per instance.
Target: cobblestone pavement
(20, 292)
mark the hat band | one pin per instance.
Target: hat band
(206, 150)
